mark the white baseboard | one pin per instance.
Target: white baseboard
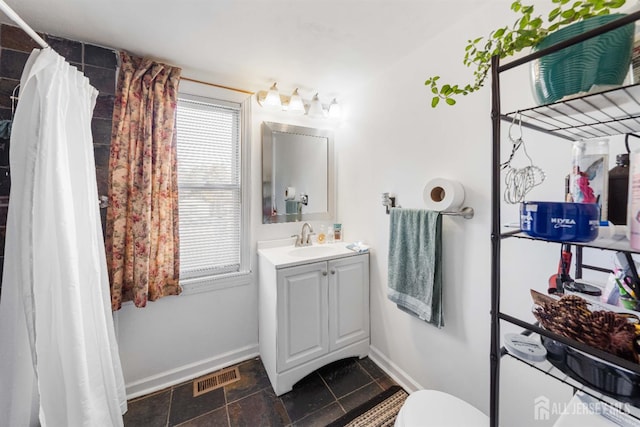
(185, 373)
(172, 377)
(398, 375)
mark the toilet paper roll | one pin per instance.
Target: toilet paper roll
(442, 194)
(290, 193)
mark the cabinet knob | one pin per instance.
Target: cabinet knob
(324, 273)
(333, 272)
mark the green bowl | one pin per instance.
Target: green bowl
(602, 60)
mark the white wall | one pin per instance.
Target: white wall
(395, 142)
(178, 338)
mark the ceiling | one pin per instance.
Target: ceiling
(326, 46)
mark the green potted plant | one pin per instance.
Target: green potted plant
(531, 31)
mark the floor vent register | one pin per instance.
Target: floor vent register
(215, 380)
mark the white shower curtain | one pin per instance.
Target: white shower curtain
(59, 363)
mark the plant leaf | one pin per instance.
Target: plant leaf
(554, 14)
(450, 101)
(434, 101)
(536, 23)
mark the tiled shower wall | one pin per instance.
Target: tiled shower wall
(97, 63)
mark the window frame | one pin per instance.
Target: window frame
(210, 94)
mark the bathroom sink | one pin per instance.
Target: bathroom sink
(281, 253)
(313, 251)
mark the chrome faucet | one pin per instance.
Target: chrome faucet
(304, 239)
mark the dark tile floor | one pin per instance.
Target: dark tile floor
(316, 400)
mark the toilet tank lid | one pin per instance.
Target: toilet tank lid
(441, 409)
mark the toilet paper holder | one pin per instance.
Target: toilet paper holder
(389, 202)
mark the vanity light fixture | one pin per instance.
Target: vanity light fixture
(296, 105)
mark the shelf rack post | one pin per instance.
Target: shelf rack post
(494, 408)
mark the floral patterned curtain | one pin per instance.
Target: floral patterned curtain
(142, 219)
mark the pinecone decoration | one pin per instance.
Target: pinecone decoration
(604, 330)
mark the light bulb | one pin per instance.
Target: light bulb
(272, 100)
(296, 106)
(335, 110)
(315, 108)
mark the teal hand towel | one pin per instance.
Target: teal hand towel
(415, 263)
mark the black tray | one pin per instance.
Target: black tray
(614, 381)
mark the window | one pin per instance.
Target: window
(213, 211)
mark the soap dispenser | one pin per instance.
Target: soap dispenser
(322, 235)
(330, 234)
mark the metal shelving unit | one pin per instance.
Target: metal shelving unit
(607, 113)
(603, 244)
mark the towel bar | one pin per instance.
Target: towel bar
(390, 202)
(466, 212)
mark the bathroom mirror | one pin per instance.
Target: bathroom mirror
(297, 173)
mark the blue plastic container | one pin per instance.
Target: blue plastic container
(560, 221)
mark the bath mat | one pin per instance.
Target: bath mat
(379, 411)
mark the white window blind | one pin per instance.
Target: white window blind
(209, 175)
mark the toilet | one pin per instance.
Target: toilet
(435, 408)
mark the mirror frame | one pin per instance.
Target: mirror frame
(269, 129)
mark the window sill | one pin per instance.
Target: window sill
(215, 283)
(201, 285)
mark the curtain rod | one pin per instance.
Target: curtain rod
(248, 92)
(27, 29)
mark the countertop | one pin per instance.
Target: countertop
(283, 253)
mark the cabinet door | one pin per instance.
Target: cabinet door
(348, 301)
(303, 331)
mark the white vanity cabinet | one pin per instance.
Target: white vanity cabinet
(312, 314)
(348, 301)
(302, 315)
